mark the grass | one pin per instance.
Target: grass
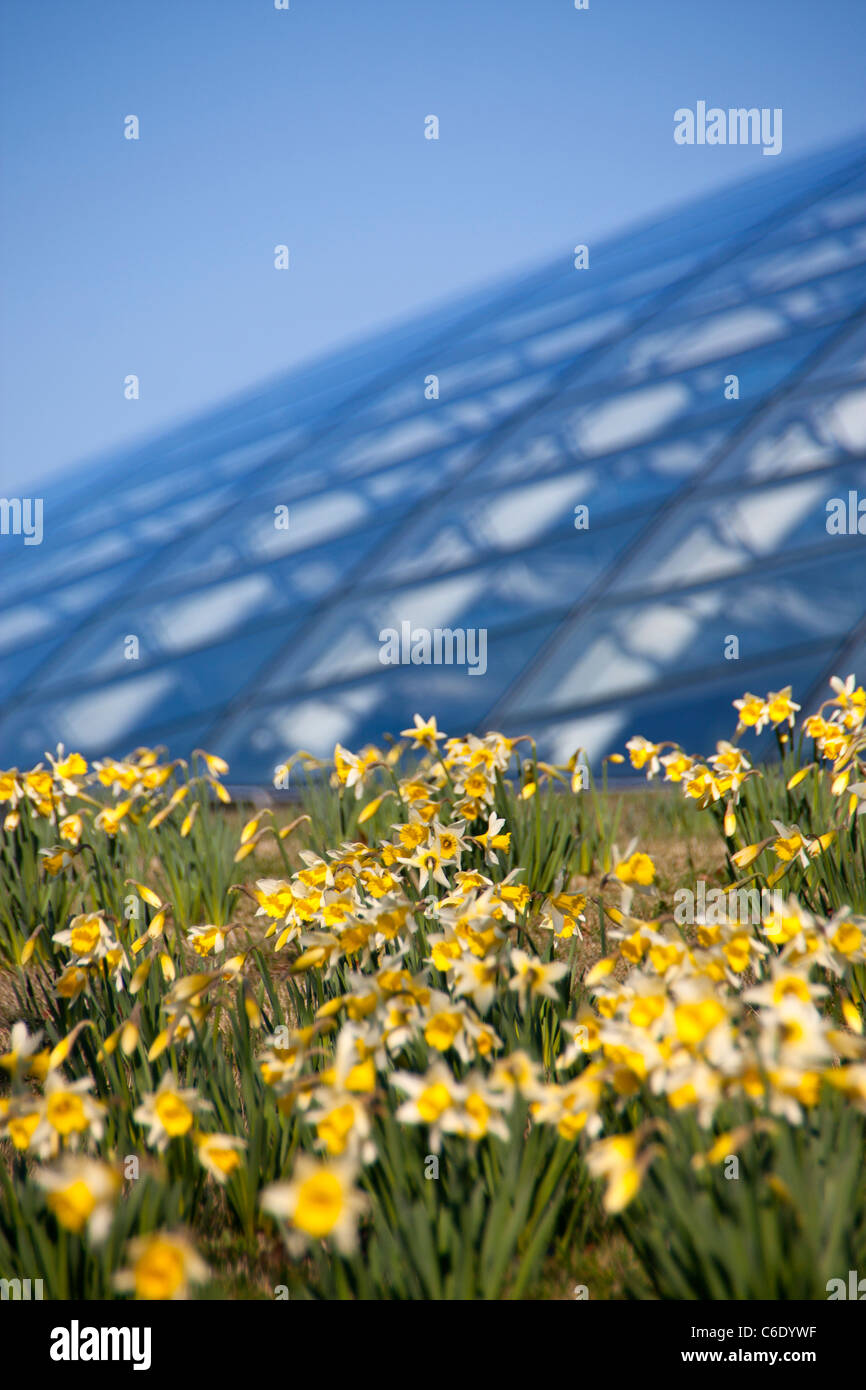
(434, 1029)
(682, 840)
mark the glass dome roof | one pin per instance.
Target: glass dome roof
(454, 508)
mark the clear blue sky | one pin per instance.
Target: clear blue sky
(305, 126)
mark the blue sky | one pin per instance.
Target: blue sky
(306, 127)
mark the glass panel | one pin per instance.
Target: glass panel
(847, 359)
(617, 650)
(695, 715)
(254, 599)
(711, 537)
(801, 433)
(464, 530)
(362, 711)
(346, 640)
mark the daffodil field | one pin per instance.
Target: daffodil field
(436, 1028)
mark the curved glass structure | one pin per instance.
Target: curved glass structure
(432, 477)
